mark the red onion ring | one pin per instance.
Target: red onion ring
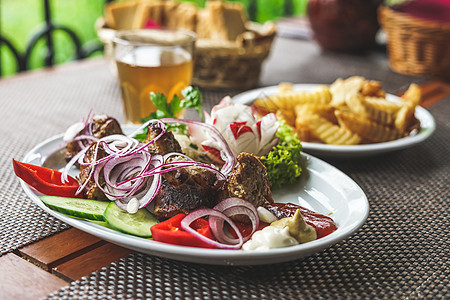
(230, 207)
(145, 125)
(216, 136)
(217, 217)
(124, 177)
(217, 224)
(186, 222)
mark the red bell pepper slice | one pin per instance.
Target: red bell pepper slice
(170, 232)
(45, 180)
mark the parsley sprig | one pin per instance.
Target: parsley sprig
(168, 109)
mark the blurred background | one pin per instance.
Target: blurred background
(24, 28)
(415, 33)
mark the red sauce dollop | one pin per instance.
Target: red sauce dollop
(322, 224)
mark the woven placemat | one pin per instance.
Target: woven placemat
(34, 107)
(400, 252)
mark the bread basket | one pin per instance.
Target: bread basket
(233, 65)
(416, 46)
(225, 65)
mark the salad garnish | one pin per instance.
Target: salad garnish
(240, 127)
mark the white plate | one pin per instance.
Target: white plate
(322, 188)
(323, 150)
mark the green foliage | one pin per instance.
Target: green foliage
(22, 19)
(283, 162)
(169, 109)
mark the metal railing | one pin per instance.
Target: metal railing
(46, 34)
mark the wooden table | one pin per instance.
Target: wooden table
(46, 265)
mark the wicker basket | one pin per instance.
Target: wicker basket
(232, 65)
(415, 46)
(226, 65)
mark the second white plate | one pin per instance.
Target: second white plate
(427, 124)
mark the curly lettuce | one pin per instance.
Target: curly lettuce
(283, 162)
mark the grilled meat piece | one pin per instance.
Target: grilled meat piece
(184, 189)
(248, 181)
(165, 144)
(91, 190)
(102, 125)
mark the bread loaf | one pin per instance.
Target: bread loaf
(121, 15)
(219, 20)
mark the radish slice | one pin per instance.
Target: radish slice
(240, 127)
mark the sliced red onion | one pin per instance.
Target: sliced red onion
(171, 166)
(123, 177)
(88, 123)
(151, 192)
(120, 203)
(234, 201)
(81, 132)
(231, 207)
(70, 164)
(133, 205)
(186, 222)
(220, 214)
(265, 215)
(145, 125)
(228, 156)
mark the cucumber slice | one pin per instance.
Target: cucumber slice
(81, 208)
(136, 224)
(101, 223)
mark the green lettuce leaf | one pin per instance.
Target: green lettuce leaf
(283, 163)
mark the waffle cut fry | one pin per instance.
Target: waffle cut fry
(372, 88)
(341, 89)
(367, 129)
(382, 110)
(266, 104)
(284, 87)
(348, 112)
(405, 116)
(302, 113)
(376, 109)
(413, 95)
(289, 99)
(325, 111)
(287, 116)
(356, 104)
(328, 132)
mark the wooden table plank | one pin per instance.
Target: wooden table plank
(89, 262)
(21, 280)
(60, 248)
(434, 91)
